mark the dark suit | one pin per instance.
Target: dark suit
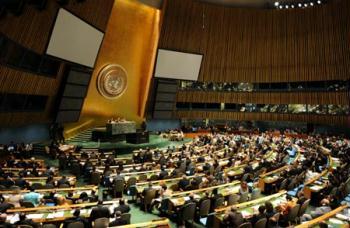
(5, 206)
(62, 181)
(183, 183)
(257, 218)
(21, 183)
(123, 208)
(163, 174)
(118, 222)
(27, 222)
(6, 225)
(234, 219)
(76, 219)
(99, 212)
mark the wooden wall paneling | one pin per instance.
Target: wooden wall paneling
(32, 28)
(255, 45)
(16, 81)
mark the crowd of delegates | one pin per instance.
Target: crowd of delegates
(238, 149)
(100, 211)
(200, 160)
(20, 150)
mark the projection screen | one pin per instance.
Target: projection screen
(74, 40)
(178, 65)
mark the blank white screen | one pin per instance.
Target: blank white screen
(74, 40)
(178, 65)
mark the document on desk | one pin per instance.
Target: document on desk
(50, 216)
(35, 216)
(245, 213)
(316, 188)
(58, 214)
(14, 218)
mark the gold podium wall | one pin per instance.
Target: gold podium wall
(130, 41)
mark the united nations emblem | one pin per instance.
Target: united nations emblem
(112, 81)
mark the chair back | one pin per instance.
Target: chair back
(188, 212)
(64, 186)
(245, 225)
(26, 204)
(174, 187)
(293, 213)
(232, 199)
(245, 177)
(142, 177)
(95, 178)
(128, 161)
(283, 185)
(150, 195)
(334, 191)
(293, 183)
(210, 220)
(119, 186)
(261, 223)
(273, 221)
(75, 169)
(37, 186)
(204, 208)
(244, 197)
(303, 208)
(255, 194)
(15, 187)
(219, 202)
(183, 167)
(49, 186)
(76, 225)
(126, 217)
(131, 181)
(154, 177)
(101, 223)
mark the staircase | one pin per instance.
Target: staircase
(83, 136)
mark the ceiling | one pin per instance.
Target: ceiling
(250, 3)
(231, 3)
(236, 3)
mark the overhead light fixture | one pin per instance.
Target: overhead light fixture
(277, 4)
